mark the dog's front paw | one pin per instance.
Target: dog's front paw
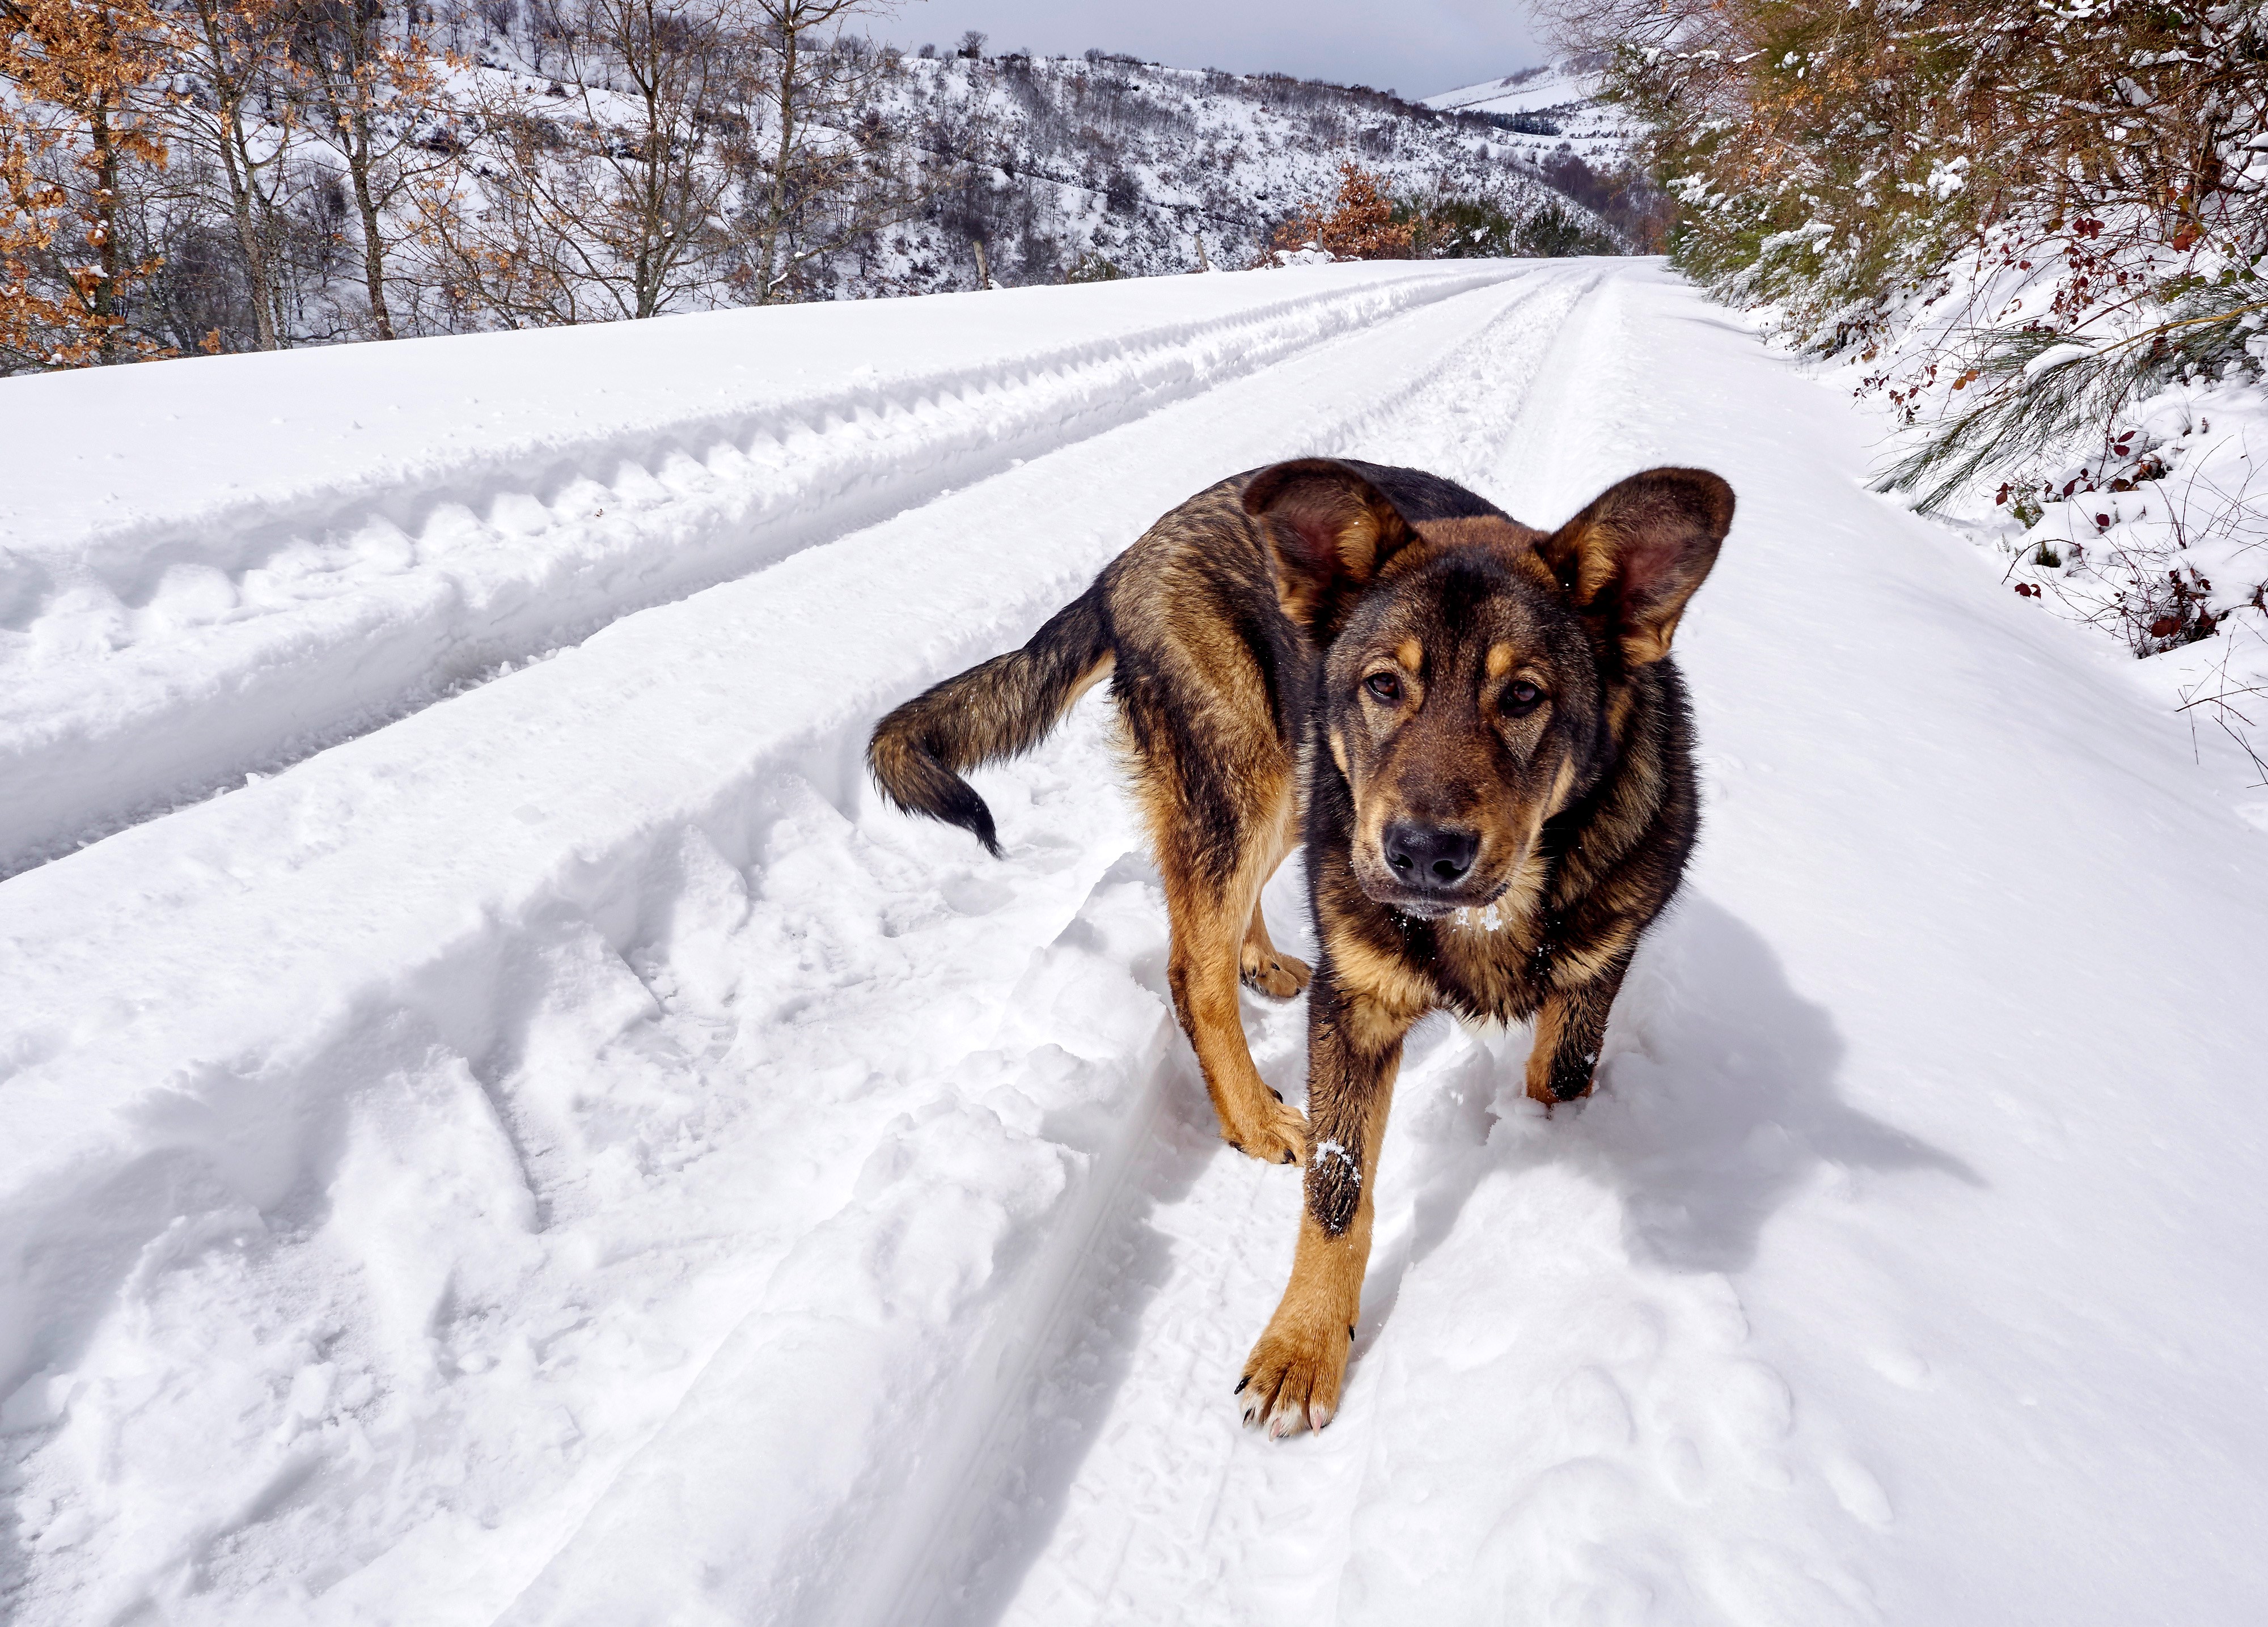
(1293, 1377)
(1271, 1131)
(1279, 977)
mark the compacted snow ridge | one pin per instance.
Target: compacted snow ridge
(570, 1155)
(214, 570)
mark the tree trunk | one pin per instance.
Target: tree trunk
(776, 213)
(103, 307)
(248, 238)
(373, 252)
(653, 235)
(236, 164)
(354, 105)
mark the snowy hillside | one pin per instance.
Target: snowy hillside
(1112, 165)
(1551, 118)
(475, 165)
(1547, 110)
(543, 1143)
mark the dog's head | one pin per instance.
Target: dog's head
(1471, 664)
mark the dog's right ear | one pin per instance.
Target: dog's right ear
(1329, 533)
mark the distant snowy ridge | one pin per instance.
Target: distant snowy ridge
(1531, 90)
(1107, 166)
(1550, 110)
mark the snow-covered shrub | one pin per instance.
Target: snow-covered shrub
(2035, 231)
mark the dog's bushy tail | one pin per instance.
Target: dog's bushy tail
(1001, 709)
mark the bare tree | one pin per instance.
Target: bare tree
(74, 81)
(233, 113)
(822, 176)
(367, 93)
(603, 187)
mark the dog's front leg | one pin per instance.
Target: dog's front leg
(1293, 1377)
(1570, 1026)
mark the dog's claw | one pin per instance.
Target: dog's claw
(1279, 977)
(1241, 1383)
(1272, 1132)
(1297, 1373)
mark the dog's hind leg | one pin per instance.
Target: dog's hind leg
(1267, 970)
(1208, 923)
(1212, 917)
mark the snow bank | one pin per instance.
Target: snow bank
(2149, 525)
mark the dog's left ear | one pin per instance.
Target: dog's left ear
(1329, 531)
(1634, 557)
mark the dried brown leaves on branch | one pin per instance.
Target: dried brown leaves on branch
(1840, 160)
(1890, 124)
(74, 80)
(1358, 225)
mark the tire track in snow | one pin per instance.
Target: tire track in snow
(161, 664)
(1089, 1510)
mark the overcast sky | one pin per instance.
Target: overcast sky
(1415, 47)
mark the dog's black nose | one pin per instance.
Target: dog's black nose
(1432, 857)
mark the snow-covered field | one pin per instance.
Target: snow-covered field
(559, 1150)
(1534, 90)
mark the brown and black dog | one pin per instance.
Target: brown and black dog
(1477, 729)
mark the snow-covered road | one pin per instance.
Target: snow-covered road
(568, 1154)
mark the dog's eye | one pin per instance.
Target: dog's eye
(1523, 698)
(1383, 687)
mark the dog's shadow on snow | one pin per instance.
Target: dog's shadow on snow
(1718, 1102)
